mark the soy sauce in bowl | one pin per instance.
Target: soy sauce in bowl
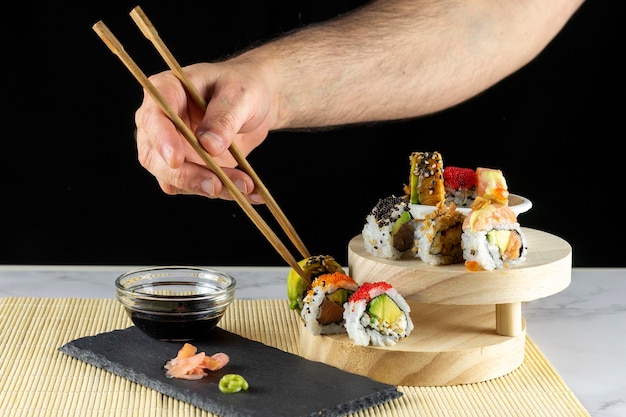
(175, 303)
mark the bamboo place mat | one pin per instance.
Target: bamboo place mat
(36, 379)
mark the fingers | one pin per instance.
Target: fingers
(237, 111)
(165, 153)
(155, 133)
(234, 114)
(223, 120)
(178, 169)
(193, 179)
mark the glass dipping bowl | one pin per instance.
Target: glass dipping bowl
(175, 303)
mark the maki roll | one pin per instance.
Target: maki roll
(491, 185)
(438, 238)
(426, 185)
(460, 185)
(388, 231)
(492, 238)
(313, 266)
(376, 314)
(323, 305)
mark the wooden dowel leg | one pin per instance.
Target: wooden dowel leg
(509, 319)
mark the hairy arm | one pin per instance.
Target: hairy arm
(389, 60)
(395, 59)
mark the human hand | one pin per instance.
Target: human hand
(238, 111)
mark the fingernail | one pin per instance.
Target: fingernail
(241, 186)
(208, 187)
(255, 198)
(210, 140)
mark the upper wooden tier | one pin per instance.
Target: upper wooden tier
(547, 270)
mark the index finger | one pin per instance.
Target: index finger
(155, 131)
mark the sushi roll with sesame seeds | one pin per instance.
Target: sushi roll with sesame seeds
(389, 227)
(313, 266)
(426, 184)
(322, 310)
(377, 315)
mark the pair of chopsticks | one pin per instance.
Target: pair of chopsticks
(146, 27)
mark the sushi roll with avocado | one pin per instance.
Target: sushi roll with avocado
(377, 315)
(312, 266)
(322, 310)
(492, 238)
(426, 182)
(388, 231)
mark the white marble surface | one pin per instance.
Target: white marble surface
(581, 330)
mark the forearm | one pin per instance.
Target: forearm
(396, 59)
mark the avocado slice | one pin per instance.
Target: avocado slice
(313, 266)
(404, 218)
(385, 309)
(500, 238)
(340, 296)
(414, 195)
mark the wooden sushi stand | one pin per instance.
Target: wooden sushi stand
(468, 325)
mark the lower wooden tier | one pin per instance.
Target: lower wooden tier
(449, 345)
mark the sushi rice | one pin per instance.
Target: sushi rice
(378, 231)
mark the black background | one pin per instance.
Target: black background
(74, 193)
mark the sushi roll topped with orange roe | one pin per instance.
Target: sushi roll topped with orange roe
(323, 305)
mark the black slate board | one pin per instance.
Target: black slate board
(281, 383)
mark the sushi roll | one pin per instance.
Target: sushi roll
(313, 266)
(322, 310)
(426, 185)
(438, 239)
(388, 231)
(460, 185)
(376, 314)
(491, 185)
(492, 238)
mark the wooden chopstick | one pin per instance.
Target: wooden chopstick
(150, 32)
(116, 47)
